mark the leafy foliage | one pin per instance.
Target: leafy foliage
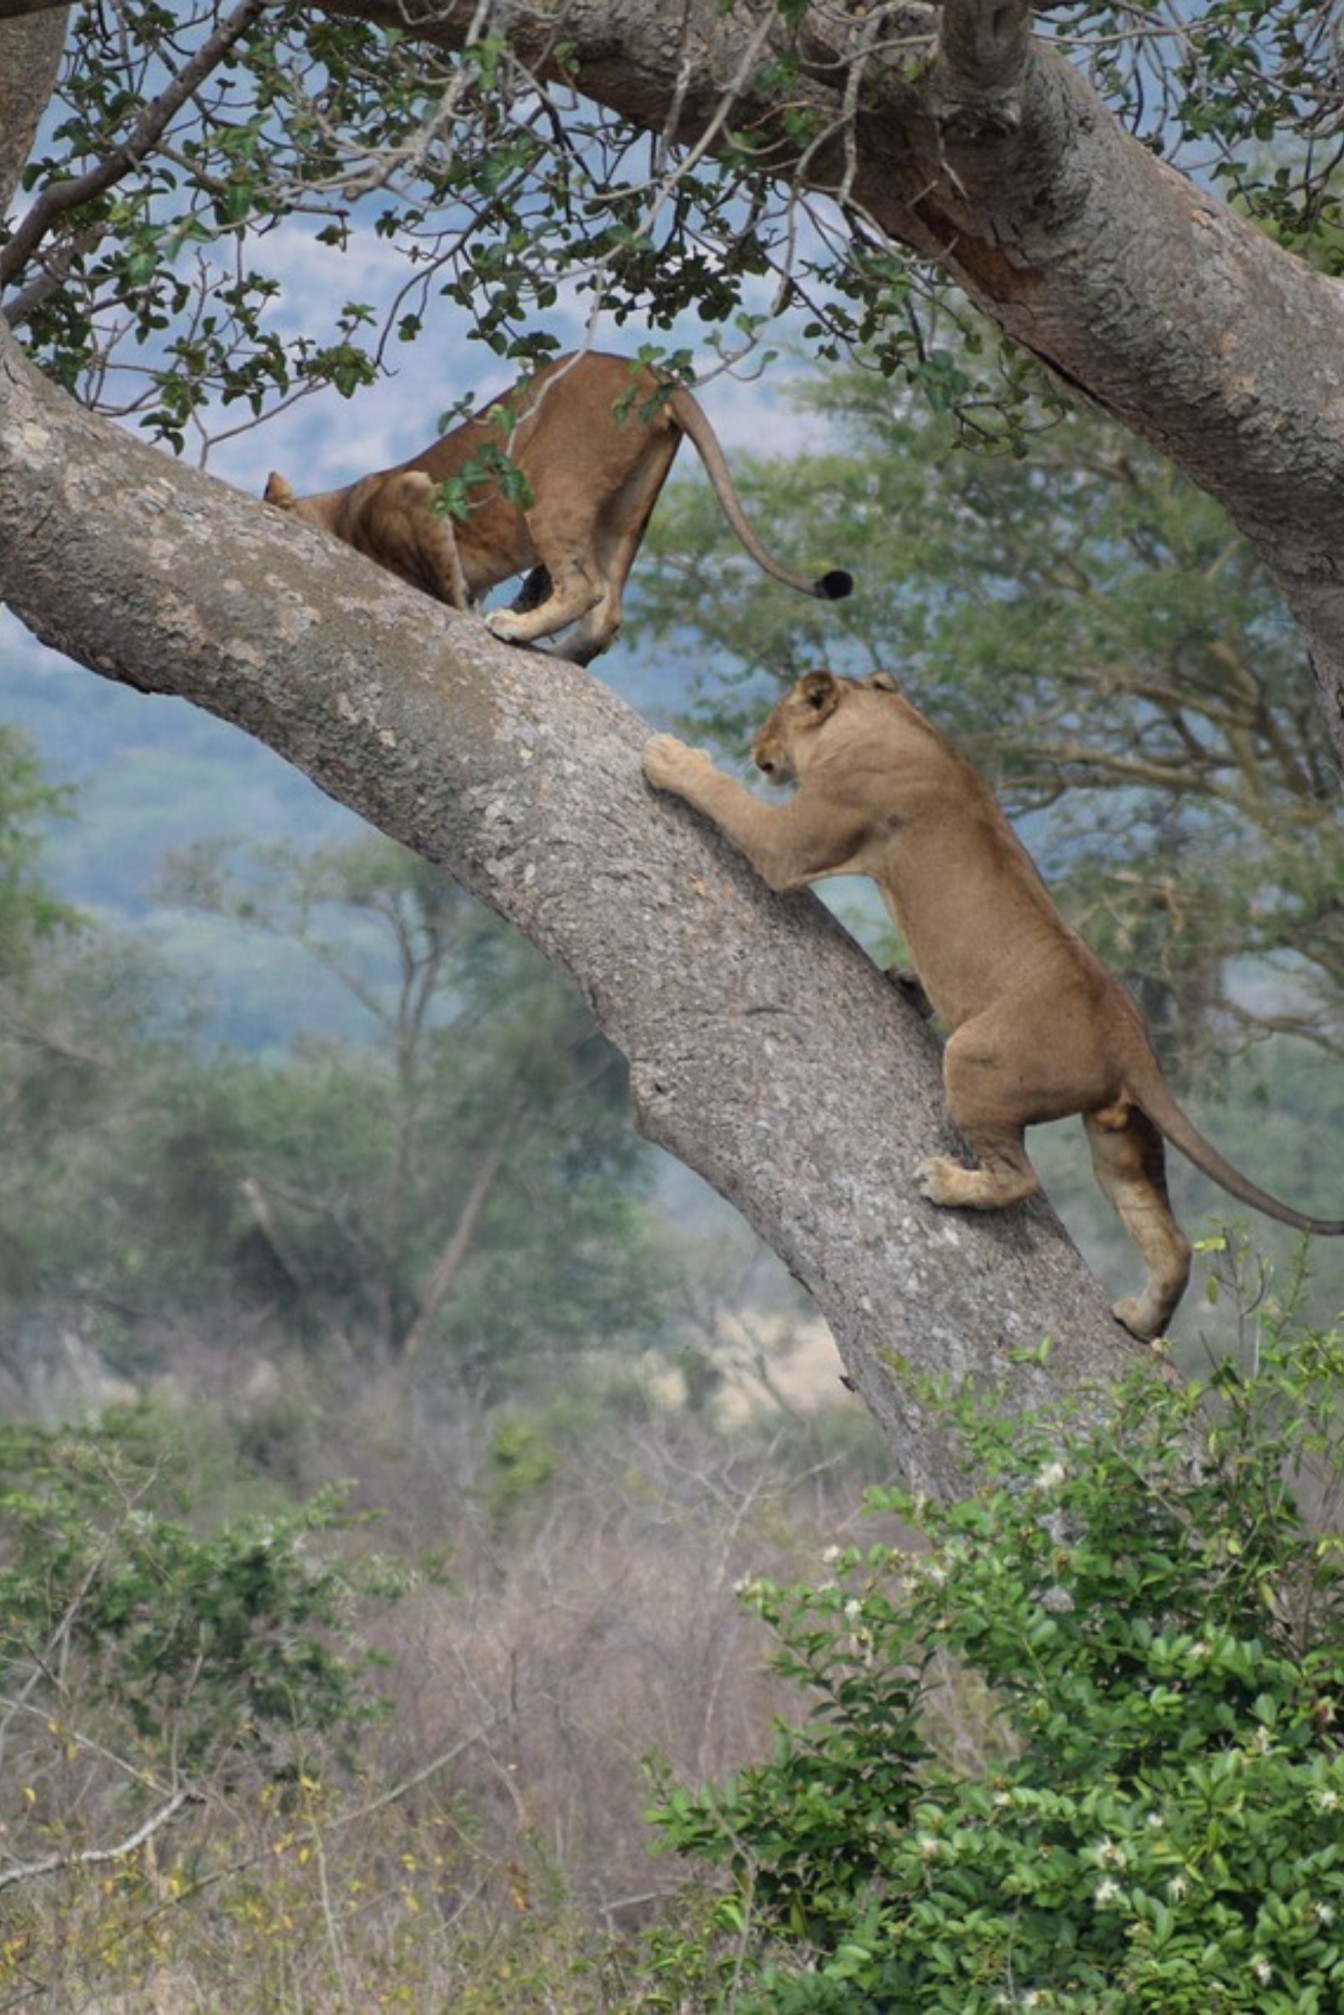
(470, 1179)
(29, 914)
(1161, 1635)
(1217, 87)
(315, 132)
(456, 1175)
(199, 152)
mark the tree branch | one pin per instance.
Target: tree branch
(522, 774)
(444, 1273)
(60, 198)
(976, 83)
(30, 57)
(90, 1857)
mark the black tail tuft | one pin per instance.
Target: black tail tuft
(833, 587)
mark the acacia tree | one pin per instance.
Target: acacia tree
(762, 1049)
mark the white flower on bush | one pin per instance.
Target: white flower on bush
(1106, 1893)
(1107, 1855)
(1262, 1969)
(1050, 1477)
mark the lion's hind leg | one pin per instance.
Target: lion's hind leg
(1003, 1175)
(575, 588)
(977, 1066)
(1130, 1163)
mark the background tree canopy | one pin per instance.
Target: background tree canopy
(456, 1180)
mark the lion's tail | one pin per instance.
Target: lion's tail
(1150, 1091)
(693, 421)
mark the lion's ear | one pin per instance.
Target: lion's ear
(820, 691)
(277, 491)
(883, 682)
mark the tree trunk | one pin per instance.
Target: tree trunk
(30, 55)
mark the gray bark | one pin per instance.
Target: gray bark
(18, 10)
(30, 55)
(764, 1048)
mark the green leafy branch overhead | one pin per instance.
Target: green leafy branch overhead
(191, 149)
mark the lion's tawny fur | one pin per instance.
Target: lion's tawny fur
(593, 438)
(1036, 1026)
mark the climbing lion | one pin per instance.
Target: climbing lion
(1037, 1028)
(593, 439)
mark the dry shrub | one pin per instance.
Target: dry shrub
(570, 1614)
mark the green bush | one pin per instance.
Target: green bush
(1153, 1630)
(125, 1632)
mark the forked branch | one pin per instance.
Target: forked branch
(982, 53)
(89, 1857)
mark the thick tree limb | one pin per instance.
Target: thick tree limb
(30, 55)
(764, 1048)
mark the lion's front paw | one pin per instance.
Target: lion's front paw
(504, 624)
(667, 762)
(941, 1180)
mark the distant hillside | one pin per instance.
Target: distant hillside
(150, 775)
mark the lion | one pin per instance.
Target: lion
(592, 438)
(1037, 1028)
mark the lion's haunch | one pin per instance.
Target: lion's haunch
(1037, 1028)
(587, 444)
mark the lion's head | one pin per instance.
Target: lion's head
(784, 743)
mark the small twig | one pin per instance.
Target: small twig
(91, 1856)
(444, 1274)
